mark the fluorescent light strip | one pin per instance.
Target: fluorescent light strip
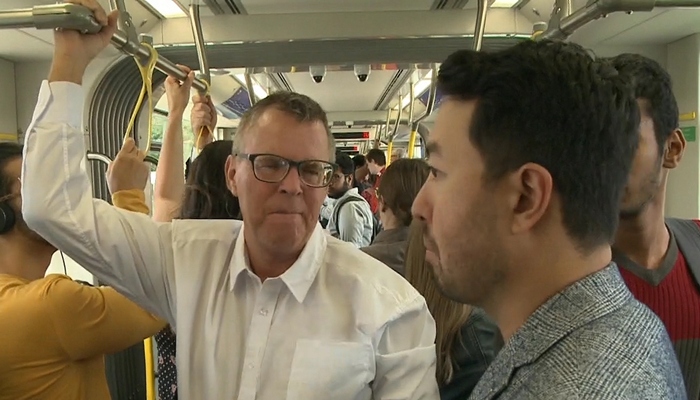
(260, 93)
(167, 8)
(504, 3)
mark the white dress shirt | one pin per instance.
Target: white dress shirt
(337, 325)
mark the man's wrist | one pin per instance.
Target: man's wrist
(65, 69)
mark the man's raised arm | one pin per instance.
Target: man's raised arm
(125, 250)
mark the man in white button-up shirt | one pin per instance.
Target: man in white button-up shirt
(268, 309)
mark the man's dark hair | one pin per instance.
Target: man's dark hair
(359, 161)
(206, 194)
(344, 163)
(8, 151)
(376, 156)
(652, 83)
(552, 104)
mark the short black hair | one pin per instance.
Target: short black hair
(359, 161)
(344, 163)
(652, 83)
(377, 156)
(8, 152)
(551, 103)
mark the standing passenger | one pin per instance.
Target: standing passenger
(376, 164)
(659, 270)
(351, 219)
(396, 192)
(55, 332)
(530, 154)
(269, 309)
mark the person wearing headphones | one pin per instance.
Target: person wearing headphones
(56, 331)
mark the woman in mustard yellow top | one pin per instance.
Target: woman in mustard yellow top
(54, 331)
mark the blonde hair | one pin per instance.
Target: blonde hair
(449, 315)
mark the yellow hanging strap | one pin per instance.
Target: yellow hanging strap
(146, 89)
(200, 135)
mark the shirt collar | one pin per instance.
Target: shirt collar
(299, 277)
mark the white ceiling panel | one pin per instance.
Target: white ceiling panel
(341, 91)
(313, 6)
(19, 46)
(664, 27)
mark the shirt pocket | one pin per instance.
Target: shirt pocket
(323, 370)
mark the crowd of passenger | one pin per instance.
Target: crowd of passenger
(527, 258)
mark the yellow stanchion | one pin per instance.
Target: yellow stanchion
(150, 369)
(412, 143)
(388, 152)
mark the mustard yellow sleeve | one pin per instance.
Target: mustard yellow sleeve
(131, 200)
(92, 321)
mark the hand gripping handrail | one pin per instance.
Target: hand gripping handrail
(76, 17)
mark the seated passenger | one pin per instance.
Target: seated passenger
(659, 261)
(351, 219)
(530, 153)
(467, 340)
(55, 331)
(399, 186)
(271, 308)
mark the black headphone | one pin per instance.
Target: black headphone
(7, 217)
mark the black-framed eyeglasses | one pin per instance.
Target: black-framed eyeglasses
(272, 168)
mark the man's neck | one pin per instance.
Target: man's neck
(644, 238)
(533, 286)
(266, 264)
(24, 259)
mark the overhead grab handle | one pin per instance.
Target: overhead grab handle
(560, 27)
(92, 156)
(75, 17)
(52, 16)
(432, 94)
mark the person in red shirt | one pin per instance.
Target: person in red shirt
(376, 163)
(646, 249)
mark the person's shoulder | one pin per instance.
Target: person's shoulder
(368, 275)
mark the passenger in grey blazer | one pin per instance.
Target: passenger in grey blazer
(530, 152)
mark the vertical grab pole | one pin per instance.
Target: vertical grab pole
(390, 146)
(429, 110)
(204, 73)
(482, 10)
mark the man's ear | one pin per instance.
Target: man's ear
(530, 193)
(231, 175)
(673, 149)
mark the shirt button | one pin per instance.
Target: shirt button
(251, 366)
(263, 312)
